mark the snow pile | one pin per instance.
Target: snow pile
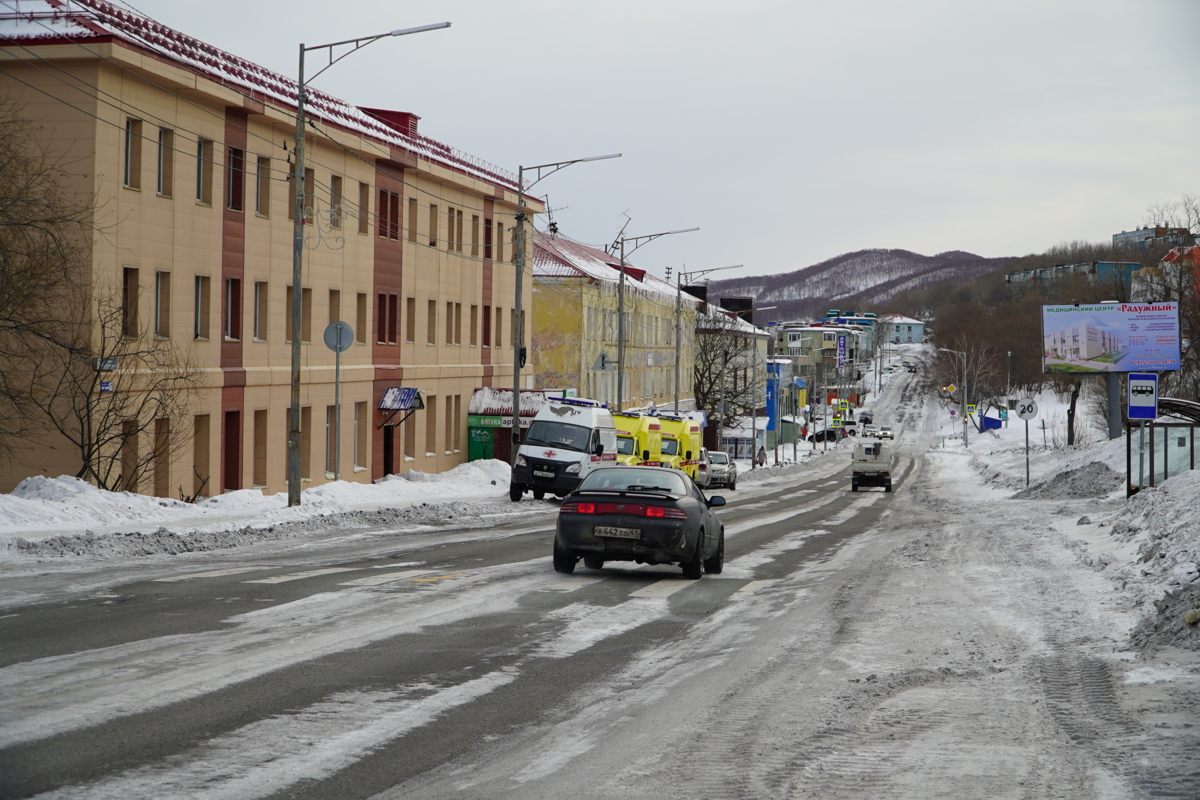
(1094, 479)
(69, 506)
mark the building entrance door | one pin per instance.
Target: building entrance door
(389, 447)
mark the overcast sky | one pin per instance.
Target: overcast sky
(789, 131)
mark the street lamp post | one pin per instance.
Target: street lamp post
(964, 389)
(680, 278)
(638, 241)
(518, 334)
(299, 218)
(754, 393)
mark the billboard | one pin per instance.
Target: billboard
(1110, 337)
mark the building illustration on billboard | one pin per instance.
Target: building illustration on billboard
(1110, 337)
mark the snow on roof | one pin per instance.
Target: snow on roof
(80, 21)
(900, 319)
(498, 402)
(560, 257)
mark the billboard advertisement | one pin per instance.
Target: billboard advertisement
(1110, 337)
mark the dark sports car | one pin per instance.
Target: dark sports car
(651, 515)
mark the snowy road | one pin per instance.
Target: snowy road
(939, 641)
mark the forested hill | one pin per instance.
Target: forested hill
(864, 280)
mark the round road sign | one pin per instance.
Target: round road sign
(1026, 409)
(339, 336)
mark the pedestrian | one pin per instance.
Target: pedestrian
(762, 456)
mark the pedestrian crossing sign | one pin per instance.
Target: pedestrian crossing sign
(971, 408)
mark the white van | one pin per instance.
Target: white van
(567, 439)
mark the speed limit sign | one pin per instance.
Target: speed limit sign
(1026, 409)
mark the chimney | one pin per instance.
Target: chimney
(402, 122)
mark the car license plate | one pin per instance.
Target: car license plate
(619, 533)
(538, 473)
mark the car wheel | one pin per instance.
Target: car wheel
(888, 487)
(714, 565)
(564, 560)
(593, 562)
(854, 486)
(515, 491)
(538, 494)
(733, 485)
(693, 568)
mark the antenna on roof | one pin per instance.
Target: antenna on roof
(616, 245)
(552, 228)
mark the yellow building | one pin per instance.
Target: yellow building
(575, 303)
(187, 152)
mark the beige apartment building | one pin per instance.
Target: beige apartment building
(187, 152)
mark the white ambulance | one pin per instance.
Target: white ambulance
(567, 439)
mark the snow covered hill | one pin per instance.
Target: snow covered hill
(858, 280)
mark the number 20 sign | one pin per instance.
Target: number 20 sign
(1026, 409)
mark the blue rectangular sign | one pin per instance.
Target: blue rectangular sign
(1141, 395)
(841, 350)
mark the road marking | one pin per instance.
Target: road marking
(444, 577)
(749, 589)
(388, 577)
(295, 576)
(663, 588)
(216, 573)
(573, 583)
(741, 527)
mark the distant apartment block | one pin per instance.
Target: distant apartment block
(1103, 273)
(1151, 236)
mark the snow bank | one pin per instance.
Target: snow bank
(44, 507)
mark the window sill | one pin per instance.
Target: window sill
(410, 458)
(204, 204)
(199, 338)
(164, 196)
(261, 215)
(260, 341)
(158, 337)
(235, 210)
(231, 339)
(259, 486)
(132, 188)
(360, 469)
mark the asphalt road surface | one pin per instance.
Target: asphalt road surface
(865, 645)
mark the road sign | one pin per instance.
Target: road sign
(339, 336)
(971, 408)
(844, 405)
(1004, 415)
(1142, 395)
(604, 363)
(835, 423)
(952, 388)
(1026, 409)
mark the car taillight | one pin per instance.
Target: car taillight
(578, 508)
(702, 466)
(665, 513)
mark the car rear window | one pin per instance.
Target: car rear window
(718, 458)
(635, 479)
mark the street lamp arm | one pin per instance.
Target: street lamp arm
(696, 273)
(362, 42)
(638, 241)
(557, 165)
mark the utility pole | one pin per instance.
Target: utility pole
(638, 241)
(518, 334)
(298, 221)
(678, 313)
(721, 406)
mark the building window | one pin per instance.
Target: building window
(129, 301)
(305, 443)
(162, 304)
(473, 333)
(262, 188)
(235, 179)
(458, 231)
(260, 311)
(330, 435)
(412, 219)
(335, 305)
(458, 423)
(431, 426)
(389, 215)
(474, 236)
(487, 326)
(360, 319)
(499, 240)
(410, 320)
(233, 309)
(166, 162)
(364, 208)
(499, 324)
(458, 323)
(431, 322)
(449, 231)
(362, 424)
(410, 436)
(133, 154)
(335, 201)
(433, 225)
(487, 237)
(449, 323)
(389, 309)
(200, 310)
(448, 437)
(204, 171)
(260, 448)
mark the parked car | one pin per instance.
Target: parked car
(866, 417)
(829, 434)
(650, 515)
(885, 432)
(722, 471)
(703, 476)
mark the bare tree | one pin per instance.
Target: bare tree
(724, 354)
(43, 239)
(1181, 213)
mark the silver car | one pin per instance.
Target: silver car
(885, 432)
(722, 470)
